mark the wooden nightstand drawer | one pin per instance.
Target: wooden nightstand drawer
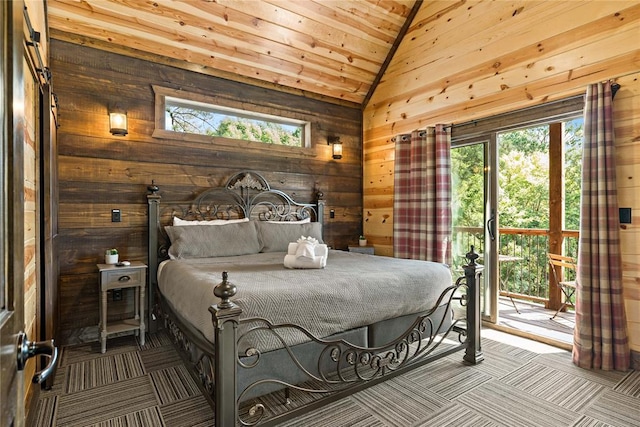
(123, 276)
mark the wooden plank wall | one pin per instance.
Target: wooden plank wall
(31, 184)
(98, 172)
(466, 60)
(32, 180)
(626, 110)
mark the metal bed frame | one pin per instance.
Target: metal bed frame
(341, 367)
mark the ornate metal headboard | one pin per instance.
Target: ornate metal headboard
(246, 194)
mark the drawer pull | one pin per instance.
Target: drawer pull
(124, 279)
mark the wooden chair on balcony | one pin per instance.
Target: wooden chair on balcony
(559, 266)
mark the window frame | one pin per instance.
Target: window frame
(208, 102)
(554, 111)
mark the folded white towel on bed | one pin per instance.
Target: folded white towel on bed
(306, 253)
(291, 250)
(290, 261)
(306, 249)
(320, 249)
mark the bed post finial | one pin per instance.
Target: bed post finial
(153, 188)
(472, 255)
(225, 290)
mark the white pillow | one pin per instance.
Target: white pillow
(302, 221)
(177, 221)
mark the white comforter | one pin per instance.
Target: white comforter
(353, 290)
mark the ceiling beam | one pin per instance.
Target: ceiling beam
(392, 51)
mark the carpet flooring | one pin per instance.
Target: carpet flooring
(520, 383)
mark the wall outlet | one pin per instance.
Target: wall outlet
(115, 215)
(116, 294)
(332, 213)
(625, 215)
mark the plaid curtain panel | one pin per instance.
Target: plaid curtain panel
(422, 195)
(600, 335)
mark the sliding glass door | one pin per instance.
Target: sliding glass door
(474, 219)
(515, 199)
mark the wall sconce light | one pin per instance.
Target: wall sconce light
(337, 146)
(118, 123)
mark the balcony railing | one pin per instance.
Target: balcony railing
(526, 274)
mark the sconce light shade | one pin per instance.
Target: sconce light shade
(118, 123)
(337, 150)
(337, 146)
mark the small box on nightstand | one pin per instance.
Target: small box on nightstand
(369, 250)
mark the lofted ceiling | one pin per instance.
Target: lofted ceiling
(327, 48)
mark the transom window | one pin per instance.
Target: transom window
(193, 114)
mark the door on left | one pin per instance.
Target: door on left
(11, 222)
(15, 348)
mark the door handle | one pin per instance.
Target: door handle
(28, 349)
(491, 226)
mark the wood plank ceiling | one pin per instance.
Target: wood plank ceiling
(324, 48)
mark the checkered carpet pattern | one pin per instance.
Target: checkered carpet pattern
(135, 386)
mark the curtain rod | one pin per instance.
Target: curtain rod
(615, 87)
(406, 136)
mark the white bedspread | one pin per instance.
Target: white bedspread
(353, 290)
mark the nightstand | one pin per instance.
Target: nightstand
(362, 249)
(112, 277)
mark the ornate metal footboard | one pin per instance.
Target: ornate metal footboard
(342, 368)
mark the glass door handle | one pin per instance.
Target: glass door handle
(491, 226)
(28, 349)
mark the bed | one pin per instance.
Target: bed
(251, 327)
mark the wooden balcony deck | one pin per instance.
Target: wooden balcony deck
(534, 321)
